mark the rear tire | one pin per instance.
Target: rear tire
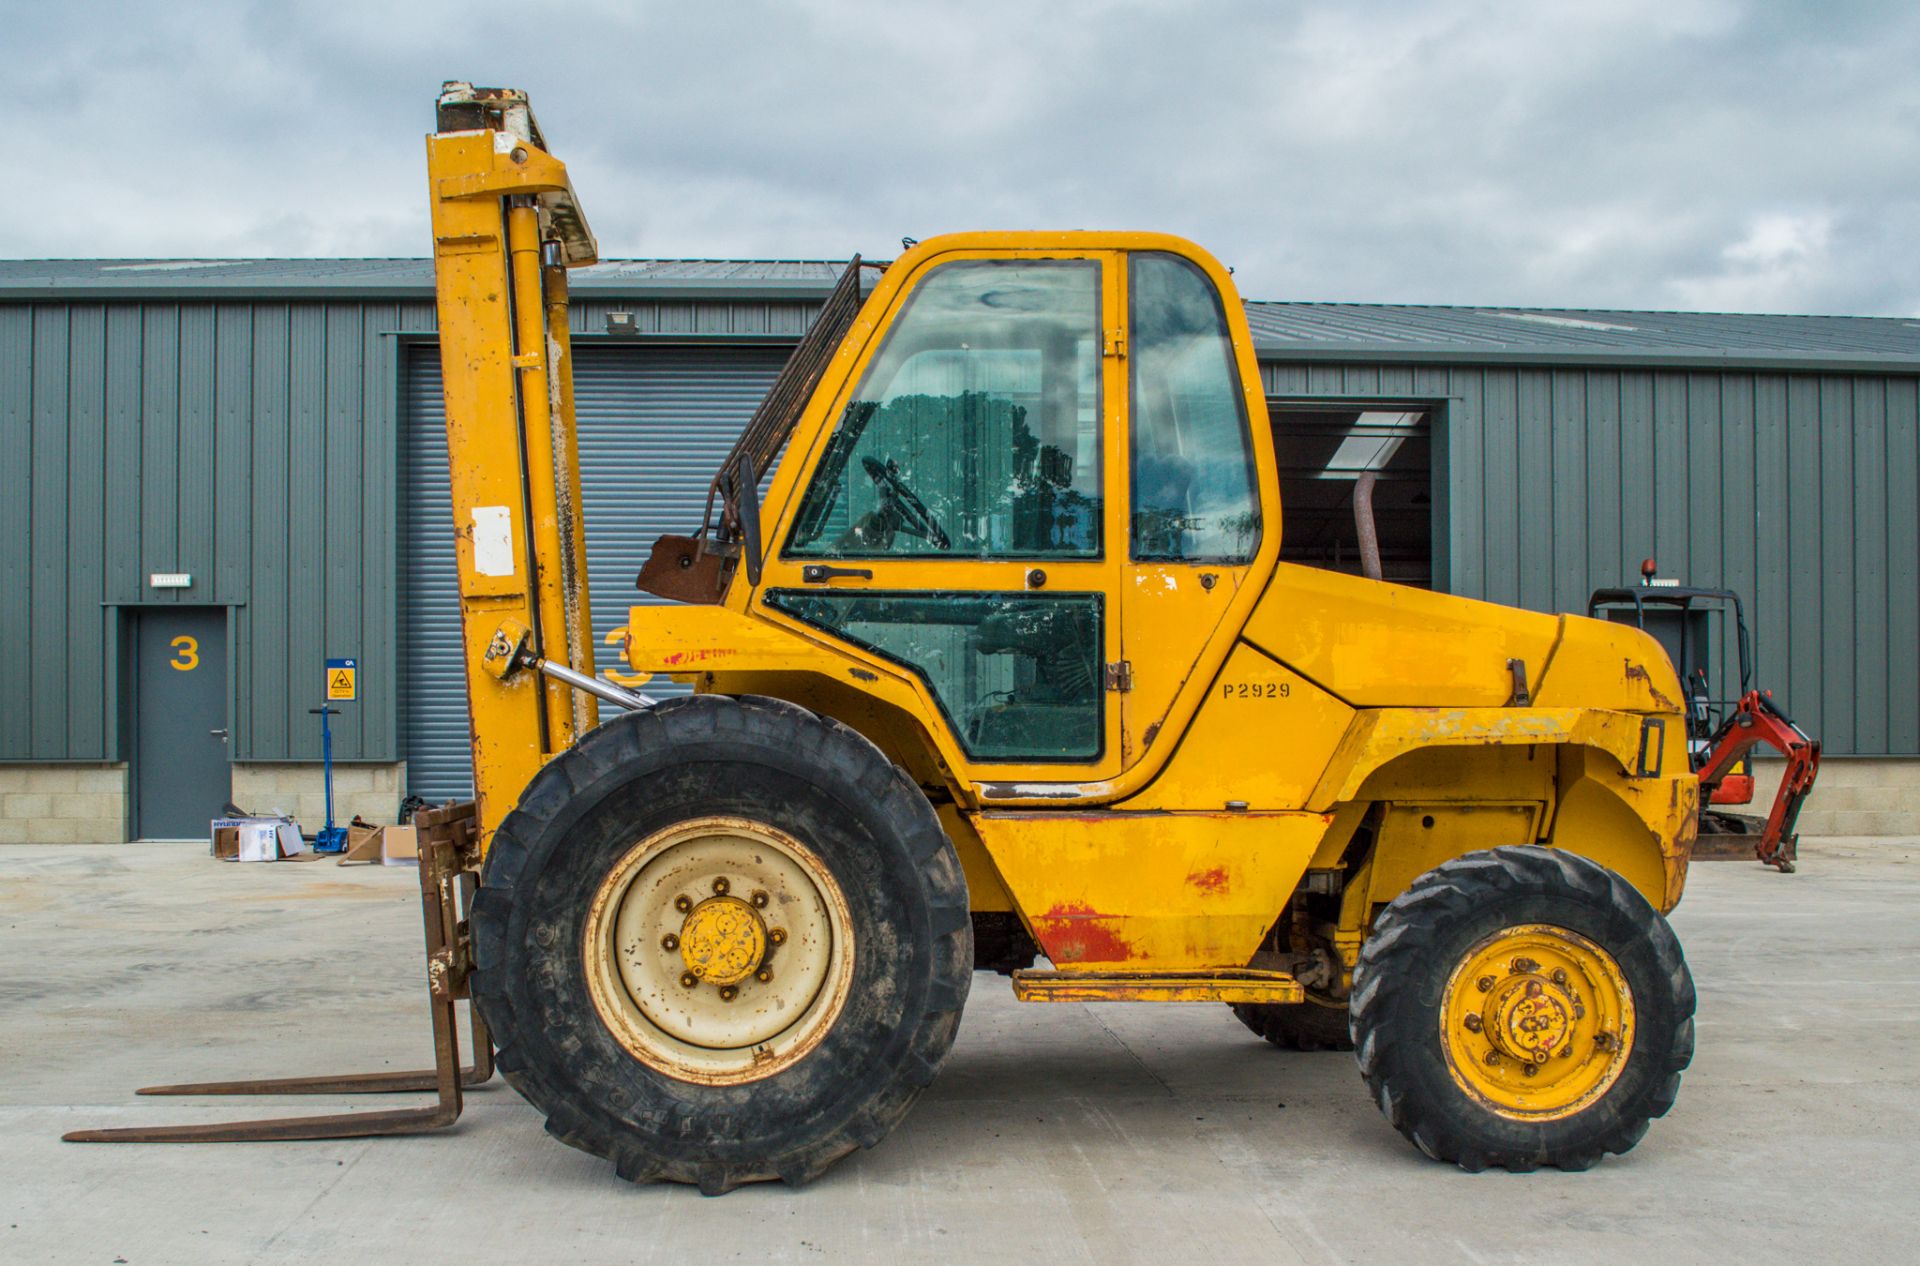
(1518, 959)
(666, 1079)
(1317, 1024)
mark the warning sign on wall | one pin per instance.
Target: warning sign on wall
(343, 680)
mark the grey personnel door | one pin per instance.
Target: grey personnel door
(181, 773)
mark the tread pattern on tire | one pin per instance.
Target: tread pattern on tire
(1300, 1026)
(541, 1073)
(1409, 940)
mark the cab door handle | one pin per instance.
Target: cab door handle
(821, 573)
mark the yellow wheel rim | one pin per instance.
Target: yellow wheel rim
(1536, 1022)
(719, 950)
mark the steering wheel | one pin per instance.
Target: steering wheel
(915, 518)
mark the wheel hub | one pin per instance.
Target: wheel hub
(1536, 1022)
(1528, 1018)
(723, 941)
(719, 950)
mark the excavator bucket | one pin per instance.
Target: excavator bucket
(449, 869)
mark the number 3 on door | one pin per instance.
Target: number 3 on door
(186, 653)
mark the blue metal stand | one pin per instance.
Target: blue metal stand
(331, 838)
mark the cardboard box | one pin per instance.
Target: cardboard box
(400, 846)
(270, 841)
(260, 842)
(383, 845)
(255, 840)
(363, 844)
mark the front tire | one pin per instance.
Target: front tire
(722, 941)
(1522, 1007)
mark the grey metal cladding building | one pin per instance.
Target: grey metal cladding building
(270, 428)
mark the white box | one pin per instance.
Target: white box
(260, 842)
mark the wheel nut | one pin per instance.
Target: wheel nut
(669, 942)
(1524, 966)
(1485, 983)
(777, 935)
(763, 975)
(1493, 1059)
(1472, 1023)
(1526, 1070)
(760, 900)
(720, 887)
(1559, 976)
(727, 993)
(1606, 1042)
(683, 904)
(688, 979)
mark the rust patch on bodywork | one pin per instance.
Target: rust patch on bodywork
(679, 569)
(1212, 882)
(681, 659)
(1636, 672)
(1073, 932)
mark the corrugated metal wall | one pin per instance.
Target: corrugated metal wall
(251, 444)
(655, 422)
(255, 444)
(433, 689)
(248, 444)
(1800, 491)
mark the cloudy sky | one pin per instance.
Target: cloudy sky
(1703, 154)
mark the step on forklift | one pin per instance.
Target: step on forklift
(1722, 733)
(994, 660)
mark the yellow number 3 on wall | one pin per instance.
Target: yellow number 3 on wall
(186, 653)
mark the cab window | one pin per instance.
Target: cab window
(1194, 496)
(1017, 675)
(975, 432)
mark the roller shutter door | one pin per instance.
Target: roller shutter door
(654, 424)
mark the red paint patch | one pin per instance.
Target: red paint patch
(675, 658)
(1074, 932)
(1213, 882)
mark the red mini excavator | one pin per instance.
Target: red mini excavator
(1722, 733)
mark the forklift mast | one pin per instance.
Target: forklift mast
(506, 228)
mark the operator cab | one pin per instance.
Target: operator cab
(1042, 451)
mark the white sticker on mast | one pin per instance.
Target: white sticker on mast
(492, 541)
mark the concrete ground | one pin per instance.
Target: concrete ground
(1057, 1134)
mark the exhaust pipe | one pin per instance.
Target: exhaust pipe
(1363, 524)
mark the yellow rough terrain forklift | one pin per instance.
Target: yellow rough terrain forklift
(993, 659)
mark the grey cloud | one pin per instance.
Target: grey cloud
(1691, 153)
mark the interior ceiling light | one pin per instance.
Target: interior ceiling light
(1372, 442)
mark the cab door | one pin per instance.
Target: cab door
(1195, 527)
(956, 525)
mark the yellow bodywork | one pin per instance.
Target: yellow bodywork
(1266, 725)
(505, 229)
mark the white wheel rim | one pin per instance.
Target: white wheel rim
(719, 950)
